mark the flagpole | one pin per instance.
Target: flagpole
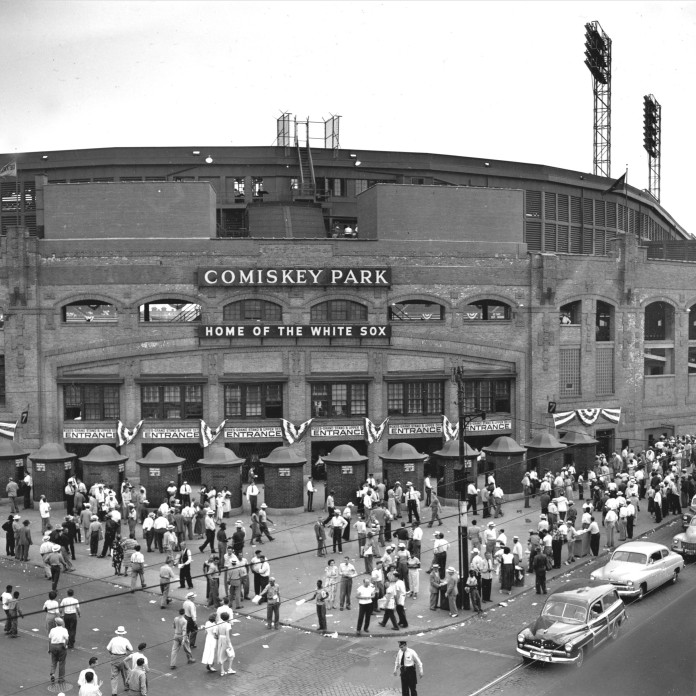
(628, 216)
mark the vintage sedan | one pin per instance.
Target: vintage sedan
(685, 543)
(572, 622)
(638, 567)
(688, 515)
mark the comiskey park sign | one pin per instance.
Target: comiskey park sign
(309, 277)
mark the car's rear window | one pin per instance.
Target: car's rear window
(629, 557)
(565, 611)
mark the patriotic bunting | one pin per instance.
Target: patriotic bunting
(451, 432)
(7, 430)
(588, 416)
(125, 436)
(209, 436)
(293, 434)
(372, 432)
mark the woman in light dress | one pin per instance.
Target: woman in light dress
(210, 647)
(225, 651)
(331, 583)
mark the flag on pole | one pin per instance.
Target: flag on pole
(451, 432)
(124, 435)
(618, 185)
(7, 430)
(209, 436)
(10, 169)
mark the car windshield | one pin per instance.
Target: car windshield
(565, 611)
(630, 557)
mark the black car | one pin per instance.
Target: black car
(572, 622)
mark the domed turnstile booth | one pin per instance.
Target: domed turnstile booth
(545, 453)
(582, 450)
(450, 474)
(103, 463)
(13, 462)
(222, 467)
(52, 467)
(283, 481)
(403, 463)
(346, 471)
(506, 458)
(157, 468)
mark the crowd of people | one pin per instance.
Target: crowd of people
(385, 520)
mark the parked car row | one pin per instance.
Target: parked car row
(581, 616)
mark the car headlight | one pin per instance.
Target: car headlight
(569, 647)
(520, 637)
(629, 583)
(523, 635)
(676, 543)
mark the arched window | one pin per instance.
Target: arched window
(416, 310)
(87, 311)
(167, 311)
(336, 311)
(488, 310)
(252, 310)
(659, 322)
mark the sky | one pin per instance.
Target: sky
(497, 80)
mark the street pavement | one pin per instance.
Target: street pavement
(297, 651)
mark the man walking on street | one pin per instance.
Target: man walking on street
(166, 578)
(406, 662)
(190, 613)
(137, 561)
(58, 649)
(119, 648)
(181, 639)
(137, 679)
(70, 609)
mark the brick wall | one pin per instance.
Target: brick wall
(283, 492)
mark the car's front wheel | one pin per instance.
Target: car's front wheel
(675, 577)
(642, 591)
(581, 657)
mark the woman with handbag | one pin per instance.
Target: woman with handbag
(225, 651)
(389, 606)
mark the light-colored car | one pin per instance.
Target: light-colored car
(573, 622)
(685, 543)
(638, 567)
(688, 516)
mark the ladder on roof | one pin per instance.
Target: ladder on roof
(307, 186)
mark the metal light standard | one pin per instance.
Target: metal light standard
(458, 377)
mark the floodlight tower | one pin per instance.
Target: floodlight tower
(598, 60)
(652, 141)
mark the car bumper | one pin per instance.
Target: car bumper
(543, 655)
(626, 591)
(685, 552)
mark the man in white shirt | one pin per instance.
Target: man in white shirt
(347, 572)
(70, 609)
(412, 499)
(190, 613)
(137, 561)
(185, 491)
(6, 597)
(428, 487)
(311, 490)
(28, 490)
(252, 495)
(406, 662)
(160, 528)
(119, 648)
(416, 540)
(58, 649)
(365, 593)
(471, 498)
(338, 524)
(81, 679)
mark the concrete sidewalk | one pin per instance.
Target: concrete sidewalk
(296, 567)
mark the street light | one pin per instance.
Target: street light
(458, 377)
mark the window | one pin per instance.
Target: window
(2, 380)
(338, 311)
(604, 373)
(87, 311)
(239, 185)
(659, 322)
(569, 372)
(416, 310)
(170, 311)
(604, 324)
(90, 402)
(489, 395)
(257, 188)
(487, 310)
(334, 400)
(171, 402)
(249, 400)
(335, 187)
(659, 361)
(692, 363)
(571, 313)
(252, 310)
(415, 398)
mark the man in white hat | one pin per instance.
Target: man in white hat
(190, 613)
(264, 520)
(209, 526)
(58, 649)
(119, 648)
